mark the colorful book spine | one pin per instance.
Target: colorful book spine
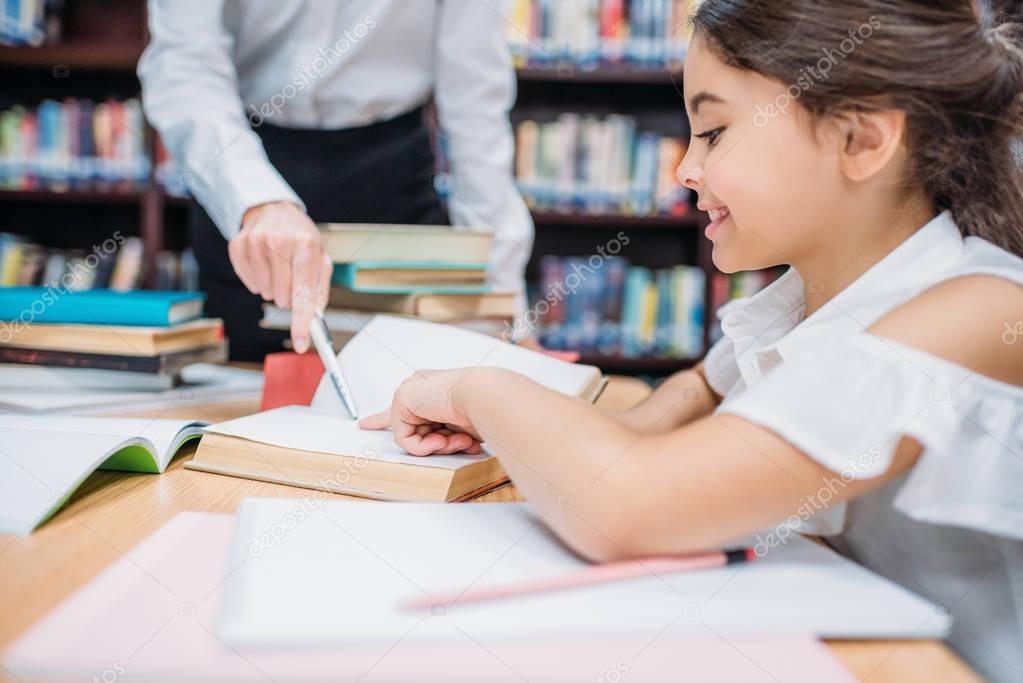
(74, 144)
(594, 165)
(587, 34)
(608, 307)
(115, 264)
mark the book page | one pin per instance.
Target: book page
(309, 429)
(389, 349)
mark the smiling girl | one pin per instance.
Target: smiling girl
(875, 391)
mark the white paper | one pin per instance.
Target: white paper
(339, 572)
(307, 429)
(389, 349)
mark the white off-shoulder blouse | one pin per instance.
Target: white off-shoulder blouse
(951, 528)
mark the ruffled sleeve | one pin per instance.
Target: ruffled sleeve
(721, 368)
(847, 407)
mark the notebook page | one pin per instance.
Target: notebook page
(393, 553)
(389, 349)
(122, 616)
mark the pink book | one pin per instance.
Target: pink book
(151, 615)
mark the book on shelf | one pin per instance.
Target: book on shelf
(30, 22)
(599, 165)
(75, 144)
(591, 33)
(313, 446)
(354, 242)
(617, 309)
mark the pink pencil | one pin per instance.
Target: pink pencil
(601, 573)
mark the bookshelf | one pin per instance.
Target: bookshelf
(96, 57)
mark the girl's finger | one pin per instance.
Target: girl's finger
(381, 420)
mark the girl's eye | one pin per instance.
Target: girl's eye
(711, 136)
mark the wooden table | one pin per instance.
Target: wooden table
(112, 511)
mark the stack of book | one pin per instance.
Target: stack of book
(74, 145)
(53, 337)
(591, 33)
(30, 22)
(593, 165)
(615, 309)
(434, 273)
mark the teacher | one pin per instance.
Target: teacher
(283, 114)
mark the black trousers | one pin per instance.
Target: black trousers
(381, 173)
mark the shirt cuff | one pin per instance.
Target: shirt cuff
(243, 185)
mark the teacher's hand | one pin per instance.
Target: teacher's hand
(279, 255)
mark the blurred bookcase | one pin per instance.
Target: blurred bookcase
(95, 57)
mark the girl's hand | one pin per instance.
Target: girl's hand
(425, 415)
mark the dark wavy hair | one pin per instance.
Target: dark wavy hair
(960, 84)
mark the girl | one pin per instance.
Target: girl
(868, 145)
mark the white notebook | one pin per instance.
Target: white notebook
(340, 572)
(44, 459)
(124, 626)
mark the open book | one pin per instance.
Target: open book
(46, 458)
(321, 447)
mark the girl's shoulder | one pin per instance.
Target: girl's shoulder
(970, 314)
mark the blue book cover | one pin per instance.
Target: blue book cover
(346, 275)
(143, 308)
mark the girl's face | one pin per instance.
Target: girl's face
(769, 178)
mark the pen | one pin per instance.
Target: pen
(321, 338)
(601, 573)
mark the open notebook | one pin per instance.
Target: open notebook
(343, 572)
(319, 446)
(44, 459)
(151, 616)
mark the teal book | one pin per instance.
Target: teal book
(148, 308)
(390, 277)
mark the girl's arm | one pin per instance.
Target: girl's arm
(682, 398)
(610, 491)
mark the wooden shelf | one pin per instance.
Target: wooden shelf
(689, 220)
(113, 197)
(651, 365)
(100, 197)
(568, 73)
(74, 55)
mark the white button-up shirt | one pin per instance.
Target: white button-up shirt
(214, 65)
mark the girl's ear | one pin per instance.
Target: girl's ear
(868, 141)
